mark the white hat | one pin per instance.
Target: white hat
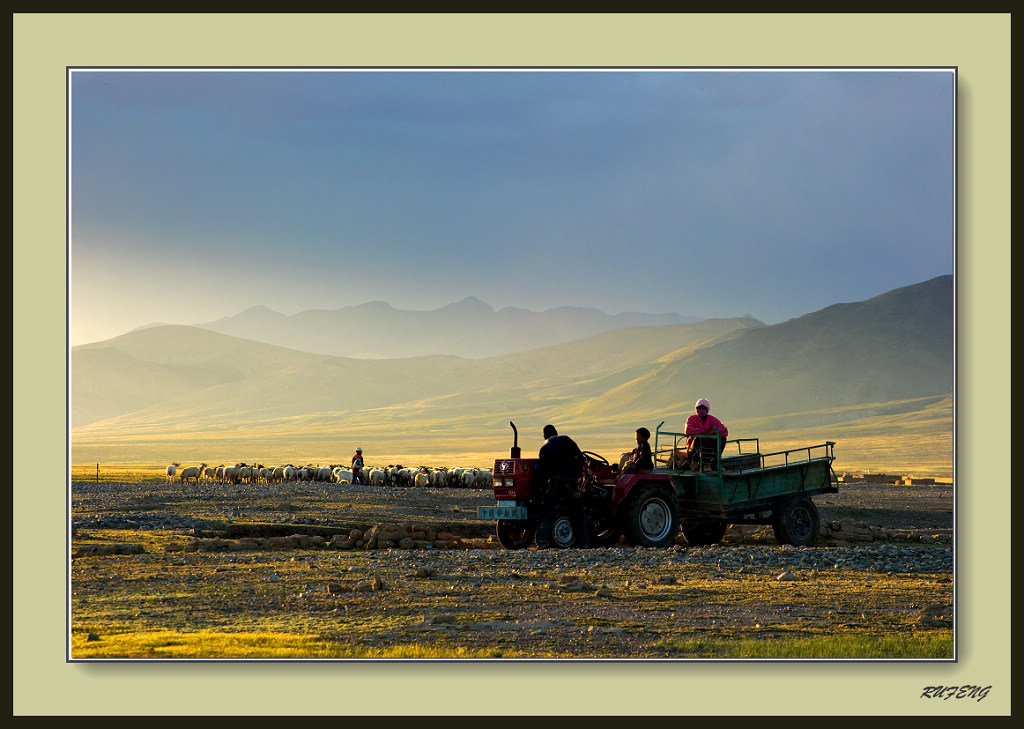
(702, 403)
(359, 450)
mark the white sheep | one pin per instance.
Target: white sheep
(341, 475)
(191, 473)
(171, 470)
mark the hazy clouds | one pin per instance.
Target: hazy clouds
(197, 194)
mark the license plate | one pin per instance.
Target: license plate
(501, 512)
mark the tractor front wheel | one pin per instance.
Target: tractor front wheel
(516, 533)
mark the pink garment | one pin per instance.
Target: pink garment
(694, 426)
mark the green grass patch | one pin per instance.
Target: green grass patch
(165, 644)
(937, 644)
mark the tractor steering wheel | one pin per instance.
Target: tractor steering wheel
(594, 457)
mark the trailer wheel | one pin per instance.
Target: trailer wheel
(650, 516)
(796, 522)
(516, 533)
(556, 529)
(702, 532)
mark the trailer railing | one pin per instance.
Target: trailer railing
(670, 451)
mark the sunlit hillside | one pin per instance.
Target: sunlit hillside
(875, 376)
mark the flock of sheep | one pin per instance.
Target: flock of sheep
(422, 476)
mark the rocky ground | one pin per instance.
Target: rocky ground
(887, 511)
(451, 582)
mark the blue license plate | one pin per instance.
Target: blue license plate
(501, 512)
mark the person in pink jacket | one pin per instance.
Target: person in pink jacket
(702, 452)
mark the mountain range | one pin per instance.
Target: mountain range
(881, 362)
(468, 328)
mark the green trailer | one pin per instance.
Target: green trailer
(741, 485)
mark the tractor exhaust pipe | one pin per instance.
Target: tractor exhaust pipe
(515, 440)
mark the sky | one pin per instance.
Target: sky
(196, 194)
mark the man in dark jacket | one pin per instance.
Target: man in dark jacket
(557, 476)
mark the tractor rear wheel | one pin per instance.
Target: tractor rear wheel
(650, 518)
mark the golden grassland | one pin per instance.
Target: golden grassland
(906, 438)
(166, 645)
(856, 456)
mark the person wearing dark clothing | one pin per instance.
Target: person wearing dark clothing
(557, 476)
(639, 459)
(560, 456)
(357, 467)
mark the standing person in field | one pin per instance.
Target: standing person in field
(702, 452)
(557, 475)
(357, 467)
(639, 459)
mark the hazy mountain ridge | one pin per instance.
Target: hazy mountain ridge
(468, 328)
(895, 347)
(235, 376)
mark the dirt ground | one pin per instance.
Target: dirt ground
(617, 602)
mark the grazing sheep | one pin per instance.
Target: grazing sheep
(191, 473)
(171, 470)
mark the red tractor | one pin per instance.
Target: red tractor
(638, 506)
(648, 509)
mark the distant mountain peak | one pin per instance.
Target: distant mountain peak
(470, 303)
